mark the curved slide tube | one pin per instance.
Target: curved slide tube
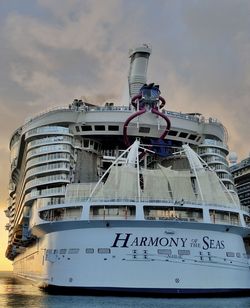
(125, 127)
(167, 129)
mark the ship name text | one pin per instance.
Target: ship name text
(125, 240)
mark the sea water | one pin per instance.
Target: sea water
(15, 292)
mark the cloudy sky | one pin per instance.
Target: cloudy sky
(53, 51)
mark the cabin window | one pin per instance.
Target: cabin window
(74, 250)
(89, 250)
(112, 212)
(230, 254)
(224, 217)
(183, 252)
(172, 133)
(86, 128)
(99, 127)
(247, 220)
(113, 128)
(144, 130)
(183, 135)
(63, 213)
(63, 251)
(172, 213)
(192, 137)
(167, 252)
(85, 143)
(103, 250)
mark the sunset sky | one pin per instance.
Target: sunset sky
(53, 51)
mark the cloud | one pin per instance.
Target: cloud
(55, 51)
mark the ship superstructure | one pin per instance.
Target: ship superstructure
(241, 174)
(96, 190)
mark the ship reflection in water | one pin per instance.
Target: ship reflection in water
(15, 292)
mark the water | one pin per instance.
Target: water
(15, 292)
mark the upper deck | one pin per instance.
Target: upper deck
(184, 127)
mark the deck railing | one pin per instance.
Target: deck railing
(83, 108)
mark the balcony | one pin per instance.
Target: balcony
(48, 158)
(47, 180)
(61, 214)
(214, 143)
(45, 130)
(49, 149)
(49, 141)
(48, 192)
(49, 168)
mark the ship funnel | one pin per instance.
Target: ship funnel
(138, 68)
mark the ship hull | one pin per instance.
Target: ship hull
(163, 261)
(149, 292)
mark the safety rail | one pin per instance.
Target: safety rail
(214, 143)
(55, 191)
(182, 203)
(174, 219)
(86, 108)
(63, 213)
(48, 129)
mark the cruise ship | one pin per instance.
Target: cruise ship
(126, 199)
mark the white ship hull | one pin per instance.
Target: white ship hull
(138, 258)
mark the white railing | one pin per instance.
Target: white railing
(111, 217)
(235, 222)
(119, 108)
(49, 149)
(47, 180)
(215, 143)
(182, 219)
(61, 214)
(55, 191)
(86, 197)
(50, 140)
(48, 129)
(48, 158)
(62, 166)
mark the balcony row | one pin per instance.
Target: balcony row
(48, 168)
(48, 130)
(43, 193)
(47, 158)
(215, 143)
(49, 140)
(49, 149)
(124, 212)
(47, 180)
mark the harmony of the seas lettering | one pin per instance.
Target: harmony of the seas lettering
(125, 240)
(212, 244)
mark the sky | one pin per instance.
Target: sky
(53, 51)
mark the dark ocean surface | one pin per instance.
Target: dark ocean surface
(15, 292)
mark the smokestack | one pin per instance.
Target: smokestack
(138, 68)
